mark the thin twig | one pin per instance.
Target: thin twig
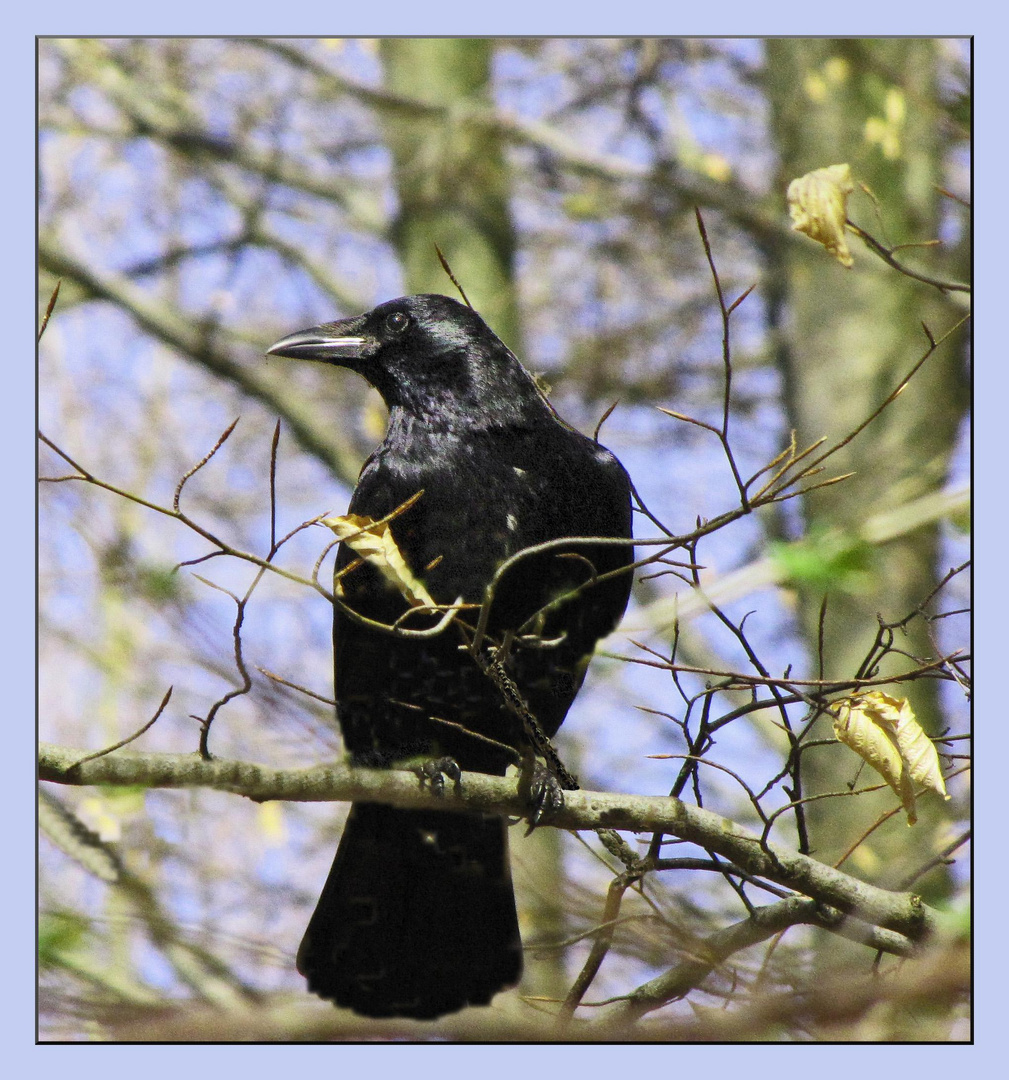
(886, 254)
(601, 945)
(295, 686)
(273, 489)
(203, 461)
(448, 270)
(49, 310)
(603, 419)
(136, 735)
(726, 312)
(179, 515)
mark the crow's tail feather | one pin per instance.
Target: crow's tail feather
(417, 917)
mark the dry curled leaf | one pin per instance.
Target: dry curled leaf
(374, 542)
(883, 731)
(818, 203)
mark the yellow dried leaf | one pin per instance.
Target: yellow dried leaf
(918, 751)
(374, 542)
(883, 731)
(861, 728)
(818, 204)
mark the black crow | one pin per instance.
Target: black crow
(418, 917)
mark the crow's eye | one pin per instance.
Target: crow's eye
(397, 322)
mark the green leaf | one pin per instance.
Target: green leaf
(158, 584)
(826, 559)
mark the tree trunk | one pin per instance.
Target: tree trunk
(452, 184)
(451, 179)
(847, 338)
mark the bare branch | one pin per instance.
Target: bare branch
(500, 796)
(203, 461)
(136, 735)
(886, 254)
(48, 311)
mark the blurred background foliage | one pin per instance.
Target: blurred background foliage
(199, 198)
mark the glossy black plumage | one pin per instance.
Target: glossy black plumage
(417, 917)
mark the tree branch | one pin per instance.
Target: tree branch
(185, 336)
(901, 912)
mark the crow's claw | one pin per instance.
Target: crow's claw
(546, 796)
(434, 771)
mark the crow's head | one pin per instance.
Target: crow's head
(427, 354)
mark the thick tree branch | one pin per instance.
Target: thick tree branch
(159, 112)
(172, 328)
(763, 923)
(901, 912)
(761, 217)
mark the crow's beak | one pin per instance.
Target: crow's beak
(331, 343)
